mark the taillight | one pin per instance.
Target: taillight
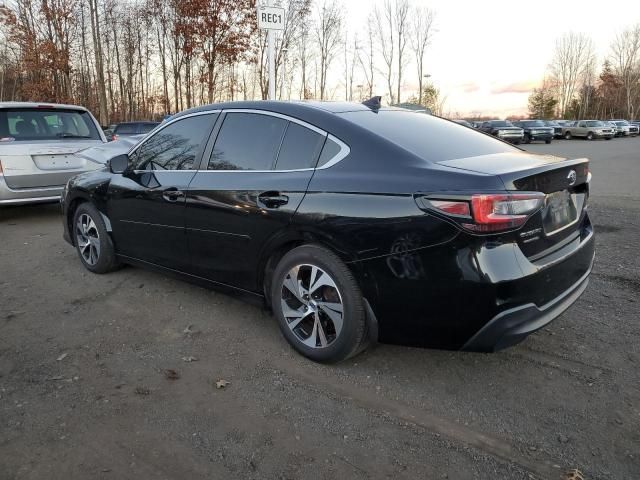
(493, 213)
(488, 213)
(114, 137)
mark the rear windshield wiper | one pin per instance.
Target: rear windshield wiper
(71, 135)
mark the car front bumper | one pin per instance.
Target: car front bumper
(23, 196)
(511, 137)
(544, 137)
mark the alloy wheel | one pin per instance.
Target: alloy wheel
(312, 305)
(88, 239)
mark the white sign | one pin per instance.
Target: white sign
(271, 18)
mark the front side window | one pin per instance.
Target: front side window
(177, 146)
(247, 141)
(300, 148)
(46, 124)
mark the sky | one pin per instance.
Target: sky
(487, 55)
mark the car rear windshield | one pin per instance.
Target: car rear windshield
(24, 124)
(126, 129)
(431, 138)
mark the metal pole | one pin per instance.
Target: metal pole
(272, 70)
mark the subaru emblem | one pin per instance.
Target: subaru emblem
(572, 177)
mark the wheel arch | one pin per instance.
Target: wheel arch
(285, 241)
(79, 198)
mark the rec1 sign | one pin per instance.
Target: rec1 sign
(271, 18)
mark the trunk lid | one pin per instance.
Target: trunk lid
(43, 164)
(564, 183)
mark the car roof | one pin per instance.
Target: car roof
(40, 105)
(137, 122)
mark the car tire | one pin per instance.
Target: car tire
(589, 136)
(316, 331)
(526, 139)
(93, 242)
(547, 142)
(567, 136)
(607, 138)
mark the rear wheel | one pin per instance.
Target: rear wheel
(547, 142)
(318, 304)
(607, 138)
(92, 240)
(526, 139)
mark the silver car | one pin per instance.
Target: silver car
(37, 147)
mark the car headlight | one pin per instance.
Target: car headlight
(501, 132)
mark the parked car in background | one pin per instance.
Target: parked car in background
(504, 130)
(464, 122)
(133, 128)
(108, 131)
(625, 128)
(588, 129)
(612, 125)
(37, 147)
(535, 130)
(557, 127)
(474, 243)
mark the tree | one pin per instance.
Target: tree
(542, 104)
(625, 53)
(385, 36)
(430, 98)
(422, 29)
(328, 32)
(574, 52)
(400, 23)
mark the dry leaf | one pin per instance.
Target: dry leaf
(171, 374)
(189, 359)
(62, 357)
(222, 383)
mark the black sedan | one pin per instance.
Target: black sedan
(353, 223)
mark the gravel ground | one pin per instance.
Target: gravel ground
(88, 366)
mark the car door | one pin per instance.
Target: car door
(581, 129)
(247, 191)
(147, 202)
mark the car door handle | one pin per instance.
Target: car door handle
(272, 199)
(172, 194)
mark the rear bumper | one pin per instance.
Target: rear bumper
(24, 196)
(514, 325)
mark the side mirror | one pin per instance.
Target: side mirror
(119, 163)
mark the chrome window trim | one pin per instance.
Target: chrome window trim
(344, 148)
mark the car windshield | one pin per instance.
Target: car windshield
(533, 123)
(23, 124)
(428, 137)
(595, 123)
(552, 123)
(501, 123)
(621, 123)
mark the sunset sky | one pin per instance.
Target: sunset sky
(487, 56)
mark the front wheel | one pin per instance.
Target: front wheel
(92, 240)
(567, 136)
(318, 304)
(607, 138)
(547, 142)
(590, 136)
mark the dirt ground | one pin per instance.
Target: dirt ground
(86, 388)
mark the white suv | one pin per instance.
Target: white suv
(37, 147)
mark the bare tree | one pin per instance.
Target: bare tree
(385, 35)
(422, 30)
(328, 32)
(366, 55)
(573, 53)
(625, 53)
(401, 21)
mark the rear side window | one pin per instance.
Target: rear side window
(126, 129)
(147, 127)
(300, 148)
(329, 151)
(247, 141)
(46, 124)
(426, 136)
(176, 146)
